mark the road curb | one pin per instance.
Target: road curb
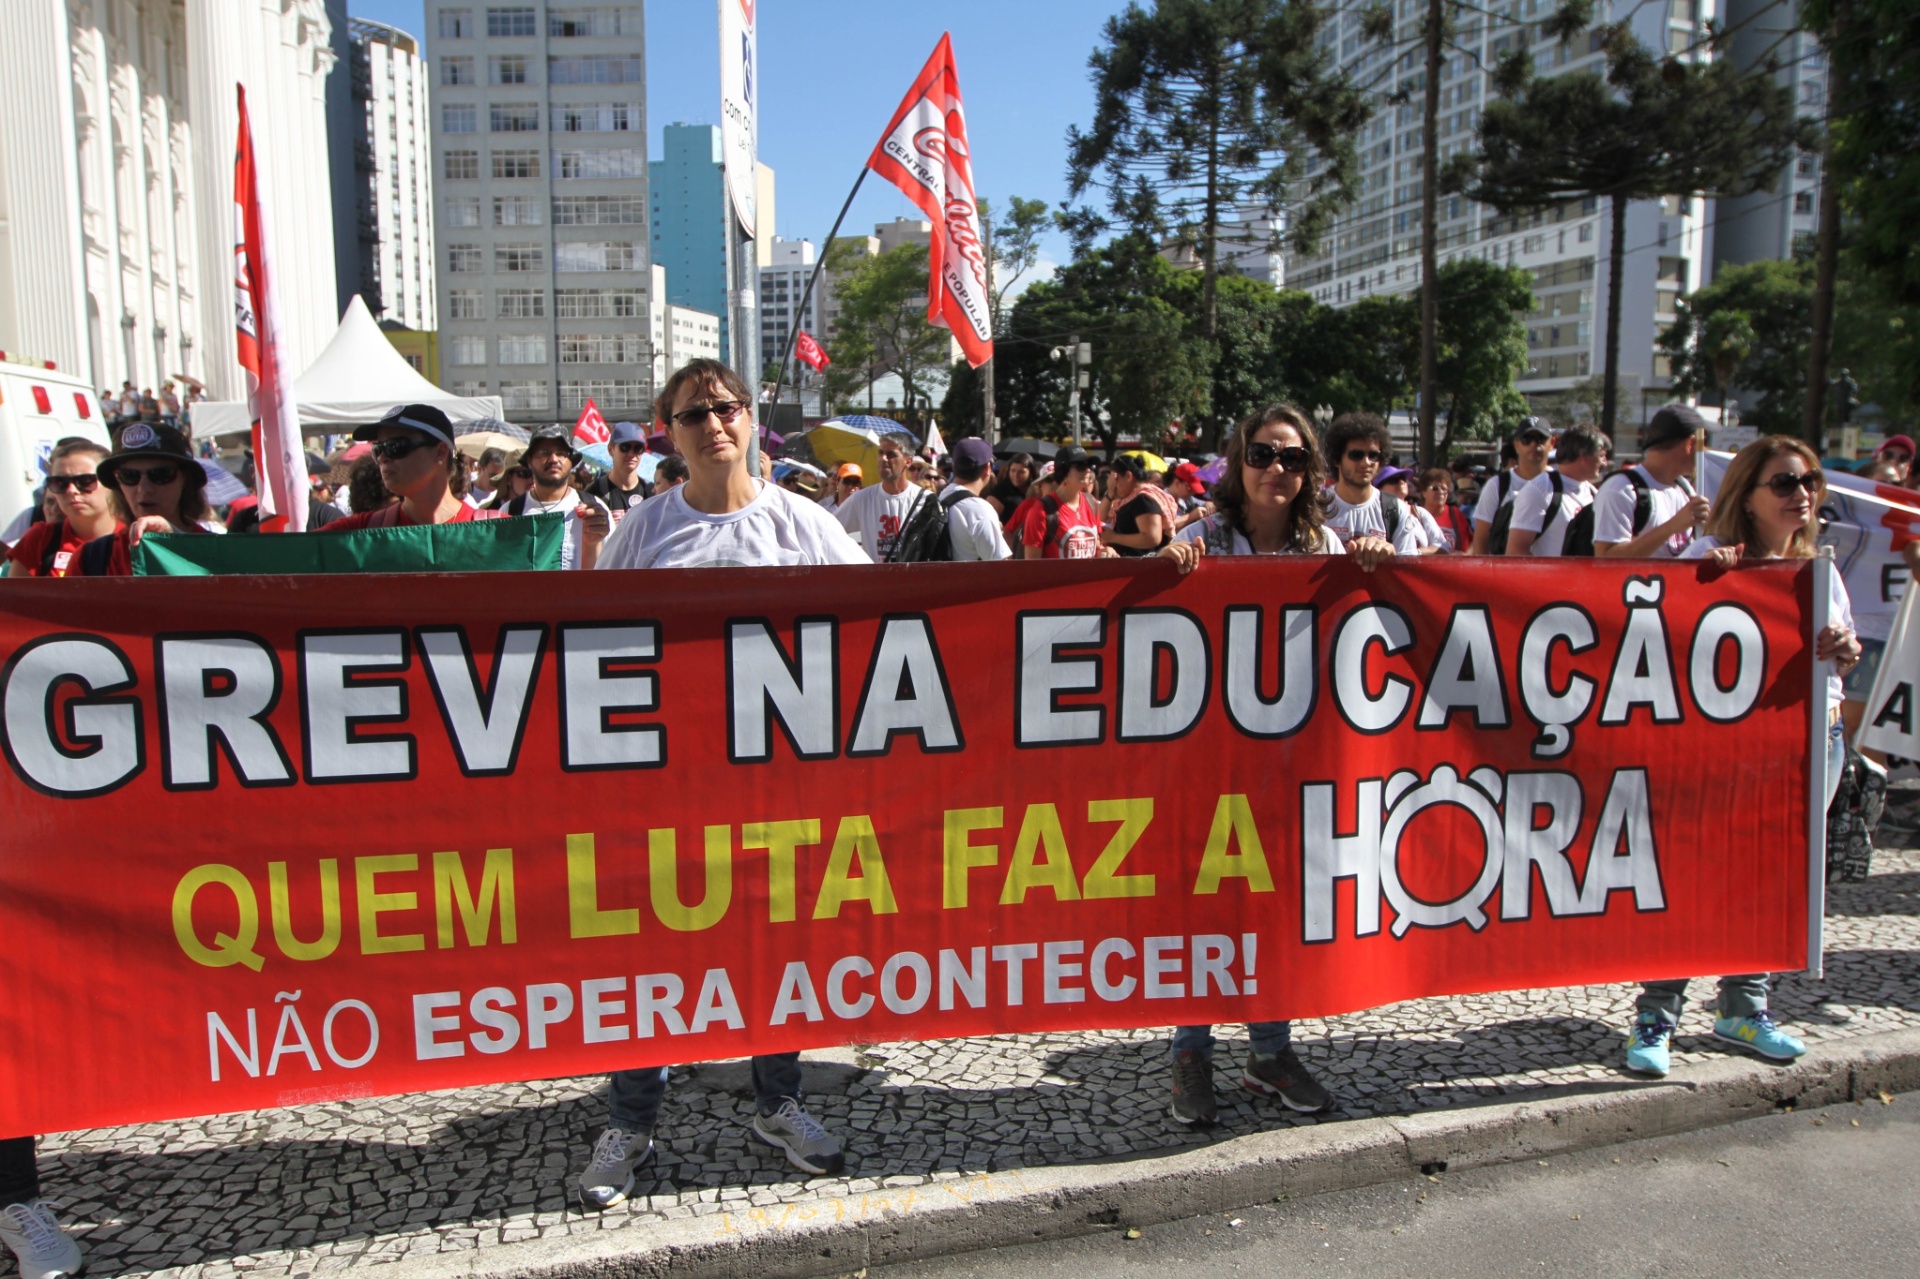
(894, 1224)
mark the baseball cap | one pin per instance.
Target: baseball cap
(974, 451)
(626, 433)
(423, 418)
(849, 471)
(1533, 426)
(1896, 442)
(1072, 455)
(1673, 423)
(1189, 474)
(1388, 474)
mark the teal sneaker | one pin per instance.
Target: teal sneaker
(1649, 1045)
(1758, 1034)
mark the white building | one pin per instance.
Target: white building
(1374, 248)
(1245, 245)
(783, 281)
(117, 127)
(397, 200)
(1771, 224)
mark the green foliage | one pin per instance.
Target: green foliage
(960, 406)
(1773, 300)
(1482, 342)
(1013, 244)
(883, 321)
(1577, 405)
(1364, 357)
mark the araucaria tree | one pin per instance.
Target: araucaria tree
(1205, 107)
(1653, 126)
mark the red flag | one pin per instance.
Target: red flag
(808, 352)
(924, 152)
(591, 428)
(279, 454)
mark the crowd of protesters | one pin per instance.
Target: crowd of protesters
(1284, 487)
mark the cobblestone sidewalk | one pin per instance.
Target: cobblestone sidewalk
(323, 1188)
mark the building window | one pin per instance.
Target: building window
(459, 117)
(1533, 244)
(464, 304)
(508, 68)
(463, 211)
(599, 304)
(463, 257)
(567, 24)
(523, 395)
(514, 117)
(626, 163)
(516, 164)
(602, 348)
(522, 304)
(596, 70)
(1586, 232)
(456, 71)
(1803, 203)
(575, 394)
(456, 24)
(516, 210)
(596, 117)
(463, 165)
(519, 257)
(599, 210)
(598, 255)
(523, 348)
(469, 388)
(467, 349)
(510, 22)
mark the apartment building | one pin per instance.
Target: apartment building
(389, 137)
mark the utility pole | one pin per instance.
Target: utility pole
(986, 370)
(1827, 259)
(1430, 236)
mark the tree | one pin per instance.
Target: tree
(883, 321)
(1482, 346)
(1253, 319)
(1013, 248)
(1654, 126)
(1772, 301)
(1359, 358)
(1202, 106)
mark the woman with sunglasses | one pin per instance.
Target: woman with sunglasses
(157, 487)
(413, 447)
(1265, 503)
(1436, 498)
(515, 481)
(49, 549)
(1767, 509)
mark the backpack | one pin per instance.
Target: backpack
(926, 538)
(1503, 519)
(96, 557)
(1579, 540)
(53, 549)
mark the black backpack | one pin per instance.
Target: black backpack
(927, 537)
(1579, 539)
(1503, 518)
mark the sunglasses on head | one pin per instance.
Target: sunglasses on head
(78, 483)
(1783, 484)
(630, 446)
(1261, 455)
(130, 476)
(1365, 455)
(725, 410)
(398, 447)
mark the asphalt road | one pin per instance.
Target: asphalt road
(1826, 1192)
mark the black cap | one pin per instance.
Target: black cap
(423, 418)
(156, 441)
(1533, 426)
(1671, 424)
(1071, 455)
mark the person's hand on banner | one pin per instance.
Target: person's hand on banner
(147, 524)
(1838, 645)
(1184, 554)
(1725, 557)
(1370, 552)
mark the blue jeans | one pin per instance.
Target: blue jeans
(1263, 1037)
(634, 1096)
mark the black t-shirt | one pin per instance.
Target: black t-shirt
(617, 498)
(1003, 492)
(1127, 520)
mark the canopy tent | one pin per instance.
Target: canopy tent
(358, 379)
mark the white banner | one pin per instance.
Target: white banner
(1889, 723)
(739, 112)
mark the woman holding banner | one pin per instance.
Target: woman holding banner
(1265, 503)
(723, 516)
(1767, 509)
(158, 487)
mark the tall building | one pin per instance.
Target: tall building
(1374, 248)
(393, 175)
(540, 226)
(1774, 224)
(783, 281)
(690, 220)
(117, 128)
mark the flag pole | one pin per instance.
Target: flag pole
(799, 314)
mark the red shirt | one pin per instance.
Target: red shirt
(1077, 536)
(394, 516)
(31, 550)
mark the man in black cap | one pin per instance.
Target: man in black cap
(973, 528)
(413, 446)
(551, 457)
(1531, 444)
(1650, 509)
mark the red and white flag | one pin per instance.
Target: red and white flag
(591, 428)
(809, 352)
(924, 152)
(279, 454)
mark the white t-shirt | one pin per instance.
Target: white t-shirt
(1530, 507)
(1431, 534)
(1349, 521)
(1839, 607)
(776, 528)
(1197, 532)
(1613, 512)
(1485, 511)
(876, 517)
(576, 530)
(974, 528)
(18, 526)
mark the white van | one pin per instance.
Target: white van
(39, 407)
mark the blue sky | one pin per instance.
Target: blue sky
(832, 73)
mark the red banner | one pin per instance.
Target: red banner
(279, 450)
(277, 842)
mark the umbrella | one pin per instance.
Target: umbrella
(317, 465)
(1152, 461)
(355, 451)
(661, 443)
(853, 439)
(222, 486)
(1040, 449)
(476, 437)
(600, 455)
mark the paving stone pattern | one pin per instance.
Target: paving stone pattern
(326, 1187)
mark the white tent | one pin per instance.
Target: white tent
(359, 378)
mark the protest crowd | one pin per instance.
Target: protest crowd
(689, 493)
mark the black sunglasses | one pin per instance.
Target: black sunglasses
(1783, 484)
(1261, 455)
(399, 446)
(630, 446)
(1364, 455)
(725, 410)
(1534, 437)
(78, 483)
(130, 476)
(521, 472)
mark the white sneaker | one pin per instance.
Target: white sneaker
(34, 1234)
(807, 1145)
(608, 1179)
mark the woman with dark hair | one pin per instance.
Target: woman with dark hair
(1010, 489)
(1767, 509)
(158, 487)
(515, 481)
(1436, 496)
(1266, 503)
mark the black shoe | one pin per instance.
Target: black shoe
(1193, 1102)
(1282, 1075)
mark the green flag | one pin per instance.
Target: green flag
(478, 546)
